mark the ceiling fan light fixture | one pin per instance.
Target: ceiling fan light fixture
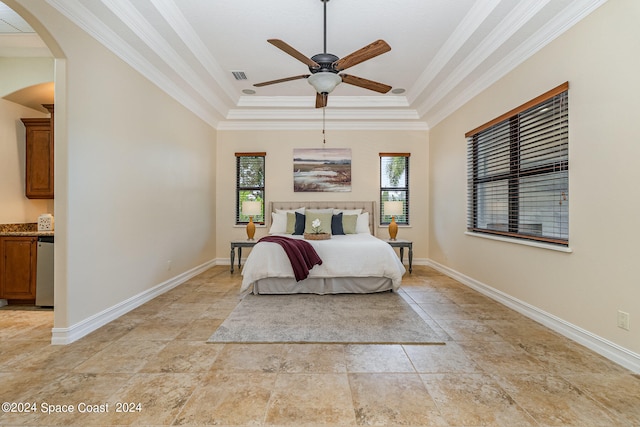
(324, 67)
(324, 82)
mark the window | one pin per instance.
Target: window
(518, 172)
(249, 184)
(394, 184)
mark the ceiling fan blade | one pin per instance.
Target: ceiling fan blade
(372, 50)
(286, 79)
(291, 51)
(321, 100)
(364, 83)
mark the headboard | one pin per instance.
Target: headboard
(365, 206)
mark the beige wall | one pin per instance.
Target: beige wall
(365, 168)
(587, 287)
(135, 179)
(18, 73)
(14, 205)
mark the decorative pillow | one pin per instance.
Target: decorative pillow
(325, 221)
(336, 224)
(298, 229)
(349, 223)
(362, 225)
(278, 223)
(291, 222)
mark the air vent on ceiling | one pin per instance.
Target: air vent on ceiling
(239, 75)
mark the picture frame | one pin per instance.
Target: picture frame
(321, 169)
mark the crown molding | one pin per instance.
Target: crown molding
(252, 101)
(519, 16)
(553, 29)
(141, 27)
(463, 32)
(317, 114)
(179, 24)
(77, 13)
(215, 102)
(233, 125)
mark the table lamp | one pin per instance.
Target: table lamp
(393, 208)
(251, 208)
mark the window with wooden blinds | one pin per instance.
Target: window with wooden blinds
(394, 184)
(518, 172)
(249, 184)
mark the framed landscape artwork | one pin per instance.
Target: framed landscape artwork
(321, 169)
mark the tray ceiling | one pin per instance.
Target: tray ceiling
(442, 54)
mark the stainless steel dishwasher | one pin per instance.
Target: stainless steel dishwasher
(44, 272)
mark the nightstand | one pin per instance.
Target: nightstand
(400, 243)
(240, 244)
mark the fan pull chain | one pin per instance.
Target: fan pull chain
(324, 141)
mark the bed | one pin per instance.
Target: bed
(356, 262)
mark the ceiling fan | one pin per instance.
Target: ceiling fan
(324, 67)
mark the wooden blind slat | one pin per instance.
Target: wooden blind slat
(395, 154)
(254, 154)
(544, 97)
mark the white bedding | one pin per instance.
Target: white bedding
(352, 255)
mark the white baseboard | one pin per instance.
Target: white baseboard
(604, 347)
(62, 336)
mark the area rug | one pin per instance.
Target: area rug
(381, 318)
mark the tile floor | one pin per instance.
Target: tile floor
(497, 369)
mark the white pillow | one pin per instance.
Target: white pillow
(278, 223)
(348, 211)
(362, 224)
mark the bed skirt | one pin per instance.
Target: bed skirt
(322, 286)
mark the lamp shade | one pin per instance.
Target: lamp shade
(393, 208)
(324, 81)
(251, 208)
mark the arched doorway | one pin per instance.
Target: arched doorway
(32, 40)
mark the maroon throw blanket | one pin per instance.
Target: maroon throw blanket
(301, 254)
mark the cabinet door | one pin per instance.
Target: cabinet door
(39, 165)
(18, 267)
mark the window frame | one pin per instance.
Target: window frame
(549, 168)
(239, 220)
(404, 218)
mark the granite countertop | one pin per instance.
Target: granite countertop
(26, 229)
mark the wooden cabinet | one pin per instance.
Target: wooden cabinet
(18, 265)
(39, 162)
